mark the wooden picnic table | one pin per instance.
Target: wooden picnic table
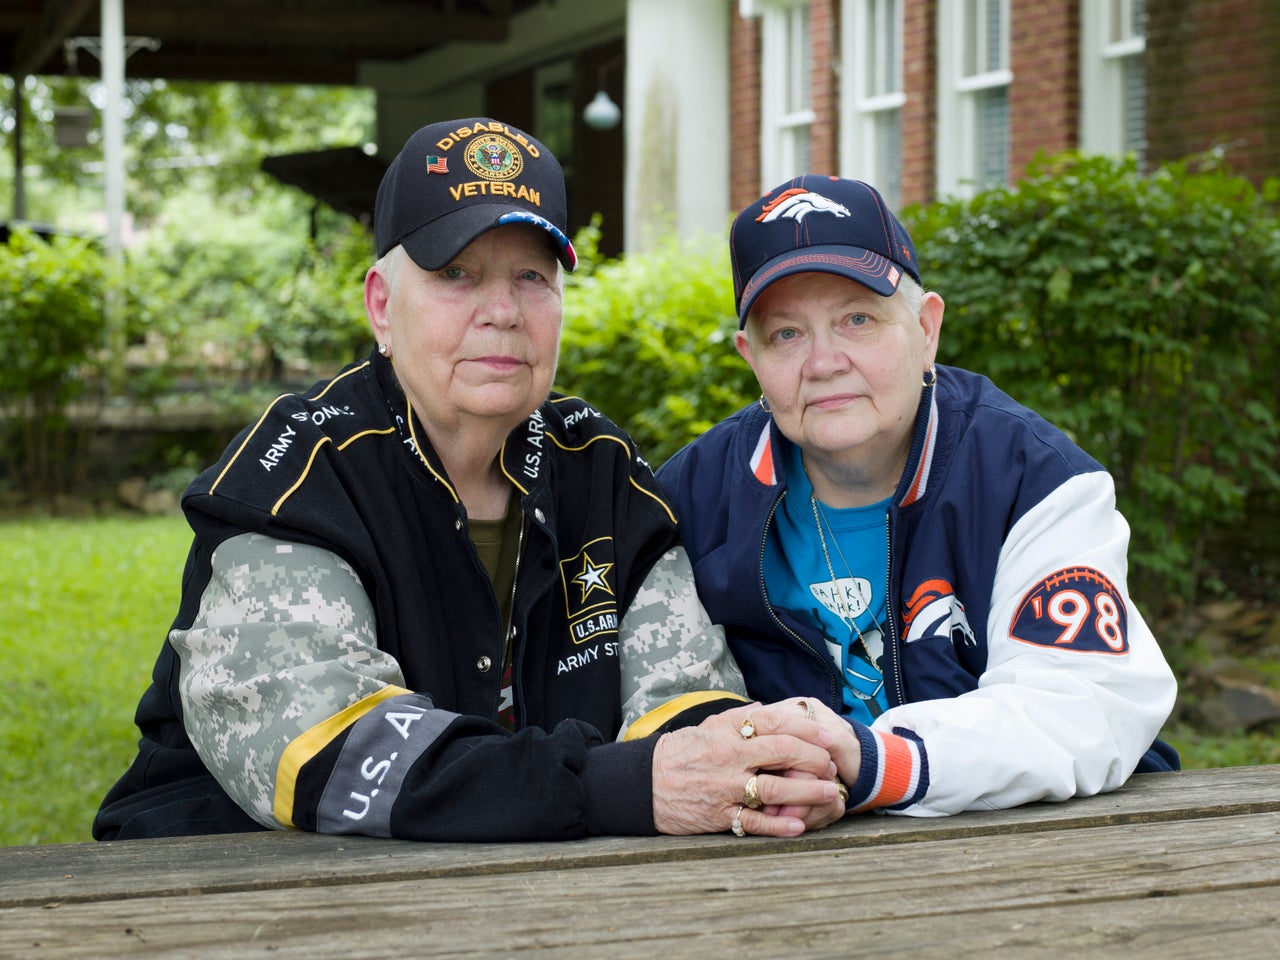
(1169, 866)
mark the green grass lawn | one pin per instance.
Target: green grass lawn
(86, 604)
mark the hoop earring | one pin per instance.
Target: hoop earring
(764, 405)
(931, 376)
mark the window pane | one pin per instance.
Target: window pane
(798, 53)
(892, 46)
(982, 37)
(1135, 107)
(969, 57)
(994, 59)
(885, 47)
(992, 109)
(887, 177)
(1126, 20)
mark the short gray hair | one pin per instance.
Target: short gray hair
(389, 265)
(912, 295)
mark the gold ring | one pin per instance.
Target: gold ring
(751, 795)
(748, 728)
(736, 826)
(809, 712)
(844, 792)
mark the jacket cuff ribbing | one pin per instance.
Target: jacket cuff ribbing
(894, 772)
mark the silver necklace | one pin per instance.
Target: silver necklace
(845, 612)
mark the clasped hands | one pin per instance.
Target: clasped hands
(794, 753)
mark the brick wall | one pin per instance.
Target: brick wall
(824, 140)
(920, 113)
(1213, 78)
(744, 111)
(1044, 99)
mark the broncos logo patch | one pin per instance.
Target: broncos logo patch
(935, 610)
(1076, 608)
(797, 203)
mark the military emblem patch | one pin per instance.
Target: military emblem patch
(494, 157)
(589, 597)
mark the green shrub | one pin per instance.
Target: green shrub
(648, 339)
(1139, 314)
(242, 297)
(321, 306)
(52, 339)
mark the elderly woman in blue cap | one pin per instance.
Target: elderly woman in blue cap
(936, 569)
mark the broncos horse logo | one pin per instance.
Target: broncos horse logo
(797, 203)
(935, 610)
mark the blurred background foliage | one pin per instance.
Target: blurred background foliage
(1137, 311)
(182, 140)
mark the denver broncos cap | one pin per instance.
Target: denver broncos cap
(818, 224)
(456, 179)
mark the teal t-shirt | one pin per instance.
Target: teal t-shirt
(799, 580)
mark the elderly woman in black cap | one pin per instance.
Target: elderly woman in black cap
(939, 571)
(427, 599)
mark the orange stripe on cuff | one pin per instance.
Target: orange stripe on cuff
(897, 770)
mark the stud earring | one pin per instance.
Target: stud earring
(384, 349)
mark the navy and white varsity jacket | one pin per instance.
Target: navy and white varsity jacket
(1016, 664)
(336, 662)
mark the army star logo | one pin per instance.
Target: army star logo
(589, 601)
(592, 577)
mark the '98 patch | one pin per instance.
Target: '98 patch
(1075, 609)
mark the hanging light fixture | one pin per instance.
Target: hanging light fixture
(602, 113)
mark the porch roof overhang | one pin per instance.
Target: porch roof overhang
(346, 178)
(248, 41)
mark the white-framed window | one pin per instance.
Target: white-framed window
(1113, 88)
(872, 87)
(786, 104)
(973, 95)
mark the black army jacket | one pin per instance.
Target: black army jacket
(336, 662)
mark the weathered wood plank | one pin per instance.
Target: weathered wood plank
(1156, 889)
(70, 872)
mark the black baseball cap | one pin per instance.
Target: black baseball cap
(454, 180)
(819, 224)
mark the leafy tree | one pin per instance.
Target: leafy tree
(179, 137)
